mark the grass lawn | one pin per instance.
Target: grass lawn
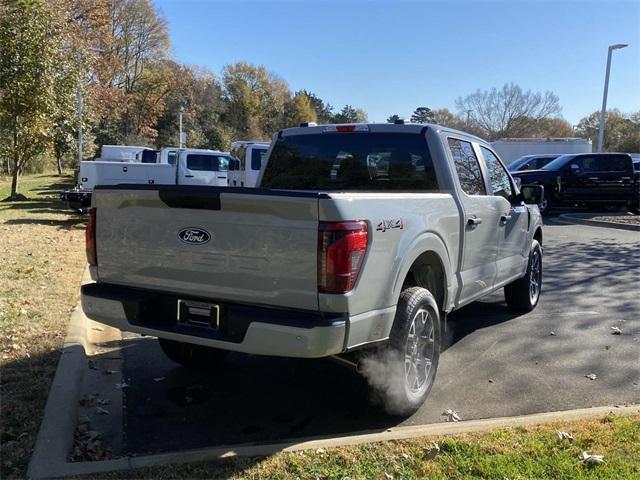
(517, 453)
(41, 262)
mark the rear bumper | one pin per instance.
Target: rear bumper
(242, 328)
(77, 199)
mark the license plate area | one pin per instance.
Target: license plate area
(199, 314)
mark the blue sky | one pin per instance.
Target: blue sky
(390, 57)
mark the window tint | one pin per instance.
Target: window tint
(257, 158)
(498, 177)
(171, 158)
(351, 161)
(207, 163)
(467, 167)
(613, 163)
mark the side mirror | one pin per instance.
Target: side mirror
(532, 194)
(575, 169)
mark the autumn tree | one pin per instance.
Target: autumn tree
(446, 118)
(324, 111)
(299, 109)
(38, 73)
(621, 132)
(508, 111)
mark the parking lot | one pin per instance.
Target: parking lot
(495, 363)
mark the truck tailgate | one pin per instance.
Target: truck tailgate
(235, 245)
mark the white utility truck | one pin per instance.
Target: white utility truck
(247, 159)
(172, 167)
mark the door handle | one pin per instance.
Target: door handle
(188, 176)
(505, 218)
(594, 178)
(473, 222)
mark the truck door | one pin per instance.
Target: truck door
(614, 180)
(481, 213)
(578, 179)
(513, 248)
(203, 169)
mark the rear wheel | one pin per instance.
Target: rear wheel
(192, 356)
(523, 294)
(403, 373)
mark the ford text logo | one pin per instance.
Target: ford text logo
(194, 236)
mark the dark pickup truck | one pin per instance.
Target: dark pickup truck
(596, 180)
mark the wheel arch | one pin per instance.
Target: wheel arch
(428, 266)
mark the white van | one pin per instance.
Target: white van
(172, 167)
(247, 158)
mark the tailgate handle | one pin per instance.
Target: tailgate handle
(205, 200)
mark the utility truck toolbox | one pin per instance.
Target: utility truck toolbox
(359, 239)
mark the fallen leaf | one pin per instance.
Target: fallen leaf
(431, 451)
(588, 459)
(552, 333)
(591, 376)
(99, 329)
(388, 475)
(564, 436)
(616, 331)
(452, 416)
(320, 450)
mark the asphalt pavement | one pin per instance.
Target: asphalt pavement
(495, 363)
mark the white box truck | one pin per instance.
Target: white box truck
(510, 149)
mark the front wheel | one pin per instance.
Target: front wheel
(523, 294)
(192, 356)
(403, 373)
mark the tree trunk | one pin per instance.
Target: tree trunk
(59, 164)
(14, 183)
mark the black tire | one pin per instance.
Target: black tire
(192, 356)
(403, 372)
(523, 294)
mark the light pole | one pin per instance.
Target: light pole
(180, 127)
(604, 95)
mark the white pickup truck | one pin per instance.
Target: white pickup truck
(359, 238)
(168, 166)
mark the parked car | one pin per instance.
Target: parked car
(248, 157)
(598, 180)
(531, 162)
(172, 167)
(360, 237)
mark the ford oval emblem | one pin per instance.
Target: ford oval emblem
(194, 236)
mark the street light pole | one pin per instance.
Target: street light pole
(180, 127)
(604, 95)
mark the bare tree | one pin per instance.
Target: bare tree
(508, 111)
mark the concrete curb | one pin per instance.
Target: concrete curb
(55, 437)
(60, 469)
(573, 218)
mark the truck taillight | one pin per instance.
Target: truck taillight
(341, 250)
(90, 238)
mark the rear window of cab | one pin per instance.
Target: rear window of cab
(355, 161)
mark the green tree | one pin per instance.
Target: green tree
(422, 115)
(38, 70)
(393, 118)
(348, 114)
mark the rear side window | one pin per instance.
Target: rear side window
(351, 161)
(498, 177)
(257, 158)
(171, 158)
(617, 163)
(467, 167)
(207, 163)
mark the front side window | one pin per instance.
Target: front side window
(498, 177)
(613, 163)
(351, 162)
(171, 157)
(467, 167)
(257, 158)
